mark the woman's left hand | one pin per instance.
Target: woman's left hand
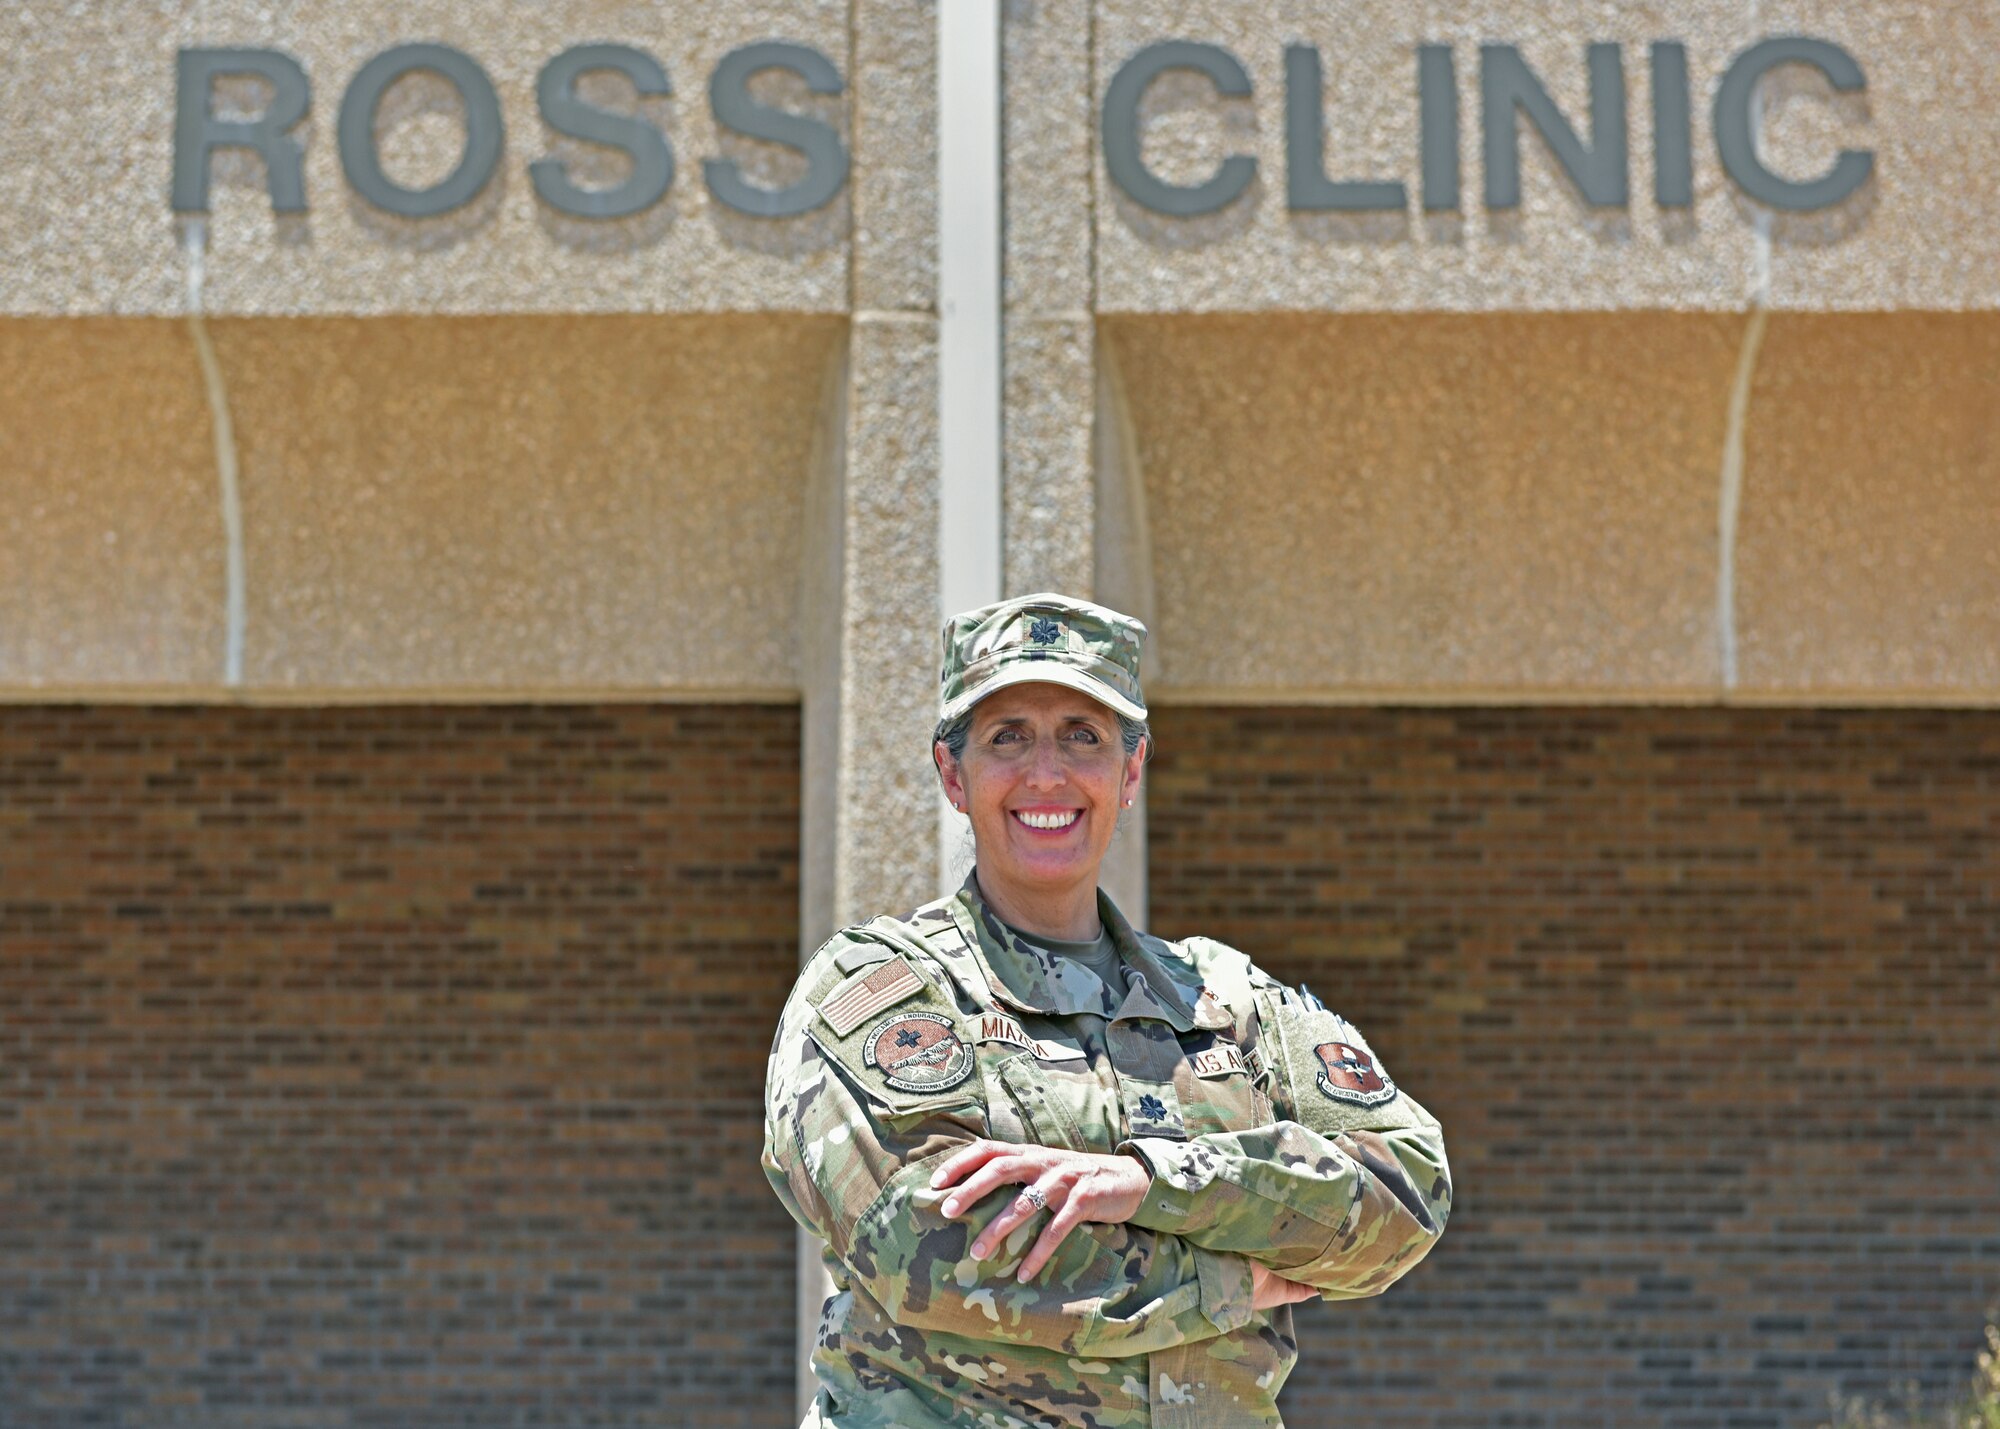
(1077, 1186)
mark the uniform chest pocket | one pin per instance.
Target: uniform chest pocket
(1217, 1086)
(1043, 1104)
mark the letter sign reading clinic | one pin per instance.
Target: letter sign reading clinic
(1508, 90)
(198, 133)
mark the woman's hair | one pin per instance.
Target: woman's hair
(953, 734)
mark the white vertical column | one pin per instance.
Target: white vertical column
(971, 516)
(820, 607)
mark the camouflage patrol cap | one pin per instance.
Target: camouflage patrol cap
(1051, 638)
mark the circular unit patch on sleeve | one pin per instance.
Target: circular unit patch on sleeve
(918, 1052)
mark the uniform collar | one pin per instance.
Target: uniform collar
(1035, 980)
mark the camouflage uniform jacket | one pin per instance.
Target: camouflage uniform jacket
(1270, 1129)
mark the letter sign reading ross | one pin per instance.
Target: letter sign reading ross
(562, 111)
(483, 131)
(198, 133)
(729, 98)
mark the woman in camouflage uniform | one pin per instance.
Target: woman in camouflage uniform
(1068, 1173)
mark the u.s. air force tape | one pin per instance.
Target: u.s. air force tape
(1217, 1061)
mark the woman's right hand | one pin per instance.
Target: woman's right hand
(1269, 1290)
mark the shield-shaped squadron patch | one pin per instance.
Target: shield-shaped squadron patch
(918, 1052)
(1347, 1073)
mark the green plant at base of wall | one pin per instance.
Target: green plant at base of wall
(1976, 1407)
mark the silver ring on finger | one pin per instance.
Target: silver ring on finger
(1034, 1197)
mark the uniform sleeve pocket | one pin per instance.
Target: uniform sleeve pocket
(1335, 1080)
(906, 1066)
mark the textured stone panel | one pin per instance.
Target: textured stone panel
(1921, 232)
(496, 503)
(1371, 504)
(1050, 498)
(889, 800)
(1916, 237)
(86, 153)
(895, 135)
(1050, 154)
(1868, 555)
(111, 526)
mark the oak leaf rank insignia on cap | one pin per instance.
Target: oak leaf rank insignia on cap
(1048, 637)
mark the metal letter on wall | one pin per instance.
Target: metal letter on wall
(1122, 159)
(652, 158)
(1306, 185)
(1736, 144)
(197, 132)
(1673, 142)
(1437, 117)
(484, 132)
(734, 108)
(1507, 84)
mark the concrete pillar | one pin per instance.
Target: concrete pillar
(1054, 443)
(1049, 343)
(871, 614)
(886, 849)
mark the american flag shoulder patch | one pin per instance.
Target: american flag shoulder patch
(861, 996)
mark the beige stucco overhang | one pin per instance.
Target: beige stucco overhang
(1547, 452)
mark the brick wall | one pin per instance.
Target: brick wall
(392, 1066)
(399, 1066)
(1707, 1000)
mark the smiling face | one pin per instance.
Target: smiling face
(1043, 778)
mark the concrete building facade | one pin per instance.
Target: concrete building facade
(481, 485)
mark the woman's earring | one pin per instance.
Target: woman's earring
(1128, 803)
